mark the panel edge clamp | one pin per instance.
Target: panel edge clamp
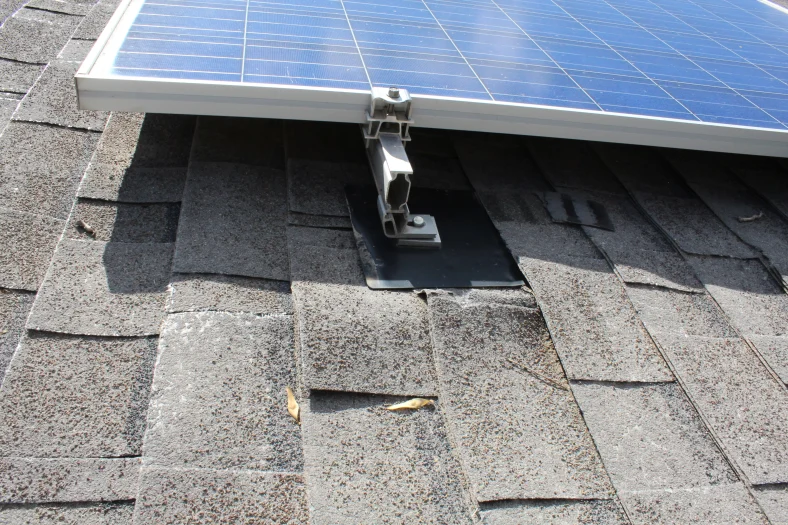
(386, 131)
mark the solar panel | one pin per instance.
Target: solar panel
(705, 74)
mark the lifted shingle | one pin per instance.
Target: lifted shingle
(365, 464)
(42, 166)
(100, 288)
(28, 241)
(120, 222)
(212, 497)
(558, 512)
(204, 292)
(84, 514)
(518, 430)
(218, 398)
(67, 396)
(233, 221)
(36, 36)
(36, 480)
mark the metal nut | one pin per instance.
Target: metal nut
(418, 221)
(394, 92)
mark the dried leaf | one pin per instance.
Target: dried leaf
(751, 217)
(413, 404)
(3, 332)
(86, 228)
(292, 405)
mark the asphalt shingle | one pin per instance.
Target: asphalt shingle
(318, 187)
(258, 142)
(318, 221)
(74, 50)
(41, 167)
(218, 398)
(774, 502)
(36, 36)
(774, 351)
(769, 183)
(556, 513)
(8, 104)
(70, 7)
(53, 100)
(100, 288)
(18, 77)
(140, 158)
(28, 242)
(220, 497)
(518, 430)
(233, 221)
(120, 222)
(84, 514)
(93, 24)
(203, 292)
(36, 480)
(641, 169)
(352, 338)
(365, 464)
(67, 396)
(14, 308)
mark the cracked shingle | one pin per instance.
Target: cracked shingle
(36, 480)
(36, 36)
(67, 396)
(233, 221)
(100, 288)
(365, 464)
(556, 513)
(218, 398)
(28, 242)
(121, 222)
(518, 430)
(83, 514)
(204, 292)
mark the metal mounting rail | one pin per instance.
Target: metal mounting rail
(385, 133)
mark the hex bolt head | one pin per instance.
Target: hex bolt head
(394, 92)
(418, 221)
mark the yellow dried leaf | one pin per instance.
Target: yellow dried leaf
(292, 405)
(413, 404)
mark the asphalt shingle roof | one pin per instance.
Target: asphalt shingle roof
(164, 278)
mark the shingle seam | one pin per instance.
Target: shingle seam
(35, 8)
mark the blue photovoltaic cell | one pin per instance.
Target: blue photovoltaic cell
(721, 61)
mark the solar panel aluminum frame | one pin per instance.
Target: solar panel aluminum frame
(98, 91)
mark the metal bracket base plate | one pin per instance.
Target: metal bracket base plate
(472, 253)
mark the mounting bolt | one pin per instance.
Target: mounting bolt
(394, 92)
(418, 221)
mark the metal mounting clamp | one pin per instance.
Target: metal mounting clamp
(385, 133)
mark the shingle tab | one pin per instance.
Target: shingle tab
(70, 7)
(775, 351)
(121, 222)
(233, 221)
(218, 398)
(42, 166)
(650, 437)
(203, 292)
(774, 502)
(365, 464)
(518, 430)
(99, 288)
(743, 404)
(556, 513)
(86, 514)
(350, 337)
(206, 497)
(718, 504)
(769, 183)
(53, 100)
(572, 164)
(140, 158)
(36, 480)
(14, 308)
(28, 241)
(595, 328)
(36, 36)
(254, 141)
(67, 396)
(94, 23)
(74, 50)
(8, 104)
(318, 221)
(318, 187)
(641, 169)
(18, 77)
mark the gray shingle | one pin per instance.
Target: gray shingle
(94, 23)
(775, 351)
(74, 50)
(431, 170)
(120, 222)
(518, 430)
(28, 242)
(664, 269)
(556, 513)
(53, 100)
(774, 502)
(641, 169)
(18, 77)
(8, 7)
(743, 404)
(350, 337)
(318, 221)
(679, 313)
(202, 292)
(748, 295)
(67, 396)
(595, 328)
(365, 464)
(318, 187)
(41, 167)
(8, 104)
(720, 504)
(233, 221)
(14, 308)
(99, 288)
(651, 438)
(35, 480)
(218, 398)
(85, 514)
(239, 140)
(70, 7)
(36, 36)
(140, 158)
(769, 183)
(220, 497)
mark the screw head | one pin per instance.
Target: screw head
(394, 92)
(418, 221)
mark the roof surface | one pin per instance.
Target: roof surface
(164, 278)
